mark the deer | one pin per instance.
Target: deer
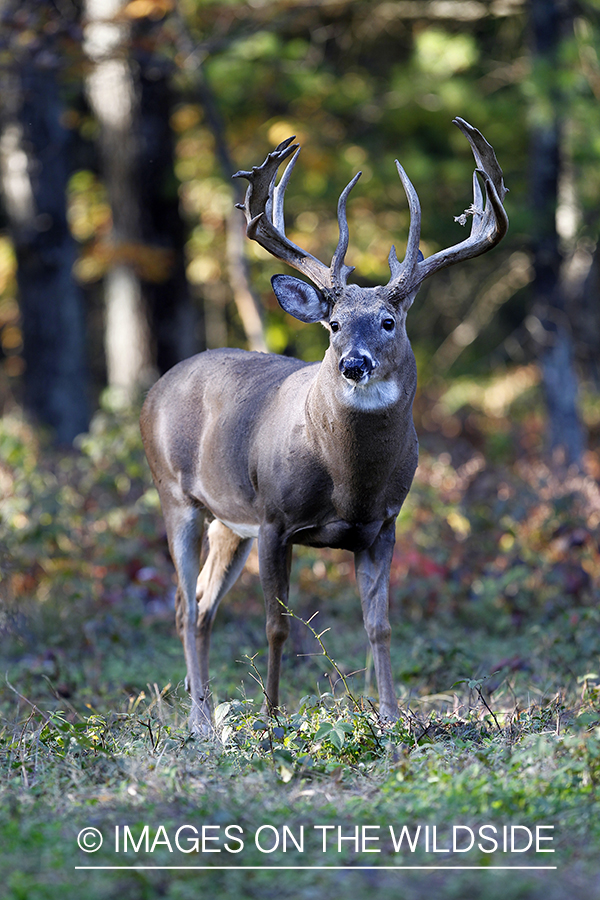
(256, 445)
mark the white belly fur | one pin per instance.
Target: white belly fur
(242, 530)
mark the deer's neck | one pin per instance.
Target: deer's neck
(361, 439)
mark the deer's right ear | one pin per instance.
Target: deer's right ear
(300, 299)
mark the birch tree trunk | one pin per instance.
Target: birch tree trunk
(111, 91)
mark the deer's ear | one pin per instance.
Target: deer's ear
(300, 299)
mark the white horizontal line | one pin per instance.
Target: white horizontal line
(302, 868)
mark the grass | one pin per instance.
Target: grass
(496, 653)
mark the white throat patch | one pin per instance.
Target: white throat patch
(371, 396)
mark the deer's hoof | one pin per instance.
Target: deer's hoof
(388, 715)
(200, 724)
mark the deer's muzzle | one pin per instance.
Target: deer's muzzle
(355, 368)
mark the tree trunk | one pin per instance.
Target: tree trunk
(248, 304)
(246, 300)
(588, 316)
(174, 320)
(34, 153)
(549, 21)
(112, 96)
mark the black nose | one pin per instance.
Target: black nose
(355, 367)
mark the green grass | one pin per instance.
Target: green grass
(496, 654)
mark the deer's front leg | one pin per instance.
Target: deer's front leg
(373, 577)
(275, 558)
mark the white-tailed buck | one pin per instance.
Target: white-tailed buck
(320, 454)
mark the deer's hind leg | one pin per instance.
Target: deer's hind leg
(198, 595)
(227, 554)
(184, 521)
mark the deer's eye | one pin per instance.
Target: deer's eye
(335, 326)
(388, 324)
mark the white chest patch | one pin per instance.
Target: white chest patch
(370, 396)
(242, 530)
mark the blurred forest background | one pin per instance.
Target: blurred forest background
(121, 251)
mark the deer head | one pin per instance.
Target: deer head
(332, 300)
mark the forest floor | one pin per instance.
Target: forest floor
(489, 783)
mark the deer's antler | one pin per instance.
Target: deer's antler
(490, 222)
(263, 207)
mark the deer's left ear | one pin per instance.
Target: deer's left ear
(300, 299)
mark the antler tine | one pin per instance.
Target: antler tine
(402, 272)
(261, 177)
(340, 270)
(483, 153)
(278, 193)
(477, 196)
(263, 208)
